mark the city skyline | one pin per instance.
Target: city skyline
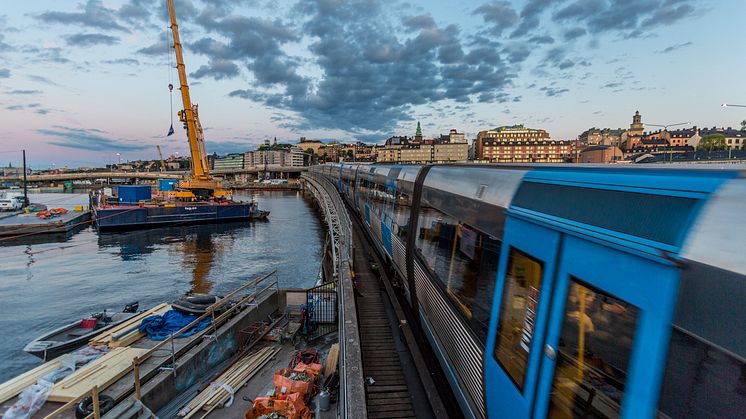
(82, 81)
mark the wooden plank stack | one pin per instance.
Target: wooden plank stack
(15, 386)
(234, 377)
(106, 338)
(102, 372)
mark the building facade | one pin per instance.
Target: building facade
(229, 162)
(601, 154)
(519, 144)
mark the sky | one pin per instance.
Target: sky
(83, 80)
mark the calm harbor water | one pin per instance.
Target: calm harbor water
(45, 285)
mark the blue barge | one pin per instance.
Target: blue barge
(111, 218)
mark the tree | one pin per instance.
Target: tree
(743, 125)
(712, 142)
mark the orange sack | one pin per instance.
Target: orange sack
(290, 406)
(289, 381)
(311, 369)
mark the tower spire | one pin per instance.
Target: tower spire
(418, 133)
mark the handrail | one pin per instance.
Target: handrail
(137, 361)
(352, 402)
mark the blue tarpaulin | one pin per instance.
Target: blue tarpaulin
(160, 327)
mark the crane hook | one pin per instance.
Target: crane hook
(170, 87)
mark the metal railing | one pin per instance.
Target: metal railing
(138, 361)
(352, 403)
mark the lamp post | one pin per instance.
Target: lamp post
(665, 128)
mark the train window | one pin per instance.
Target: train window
(653, 217)
(593, 355)
(402, 205)
(464, 261)
(520, 299)
(701, 380)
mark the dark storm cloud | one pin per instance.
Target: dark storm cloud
(530, 16)
(218, 70)
(92, 14)
(371, 73)
(573, 33)
(90, 39)
(4, 73)
(88, 139)
(500, 15)
(419, 22)
(675, 47)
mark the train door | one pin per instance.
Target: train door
(519, 315)
(608, 333)
(581, 328)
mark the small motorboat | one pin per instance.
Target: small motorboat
(76, 334)
(259, 215)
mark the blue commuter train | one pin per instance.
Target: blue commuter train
(572, 291)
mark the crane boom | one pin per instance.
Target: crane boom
(200, 184)
(163, 165)
(189, 115)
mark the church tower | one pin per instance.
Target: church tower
(636, 127)
(418, 133)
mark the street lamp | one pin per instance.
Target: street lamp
(665, 128)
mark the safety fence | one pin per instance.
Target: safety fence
(352, 401)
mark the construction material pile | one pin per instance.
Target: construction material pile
(293, 387)
(220, 392)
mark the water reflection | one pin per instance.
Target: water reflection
(197, 246)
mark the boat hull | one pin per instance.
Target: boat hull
(51, 345)
(137, 217)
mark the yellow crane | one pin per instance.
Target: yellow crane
(163, 165)
(199, 185)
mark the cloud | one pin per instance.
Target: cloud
(41, 79)
(24, 92)
(4, 47)
(500, 15)
(93, 14)
(35, 107)
(573, 33)
(218, 70)
(123, 61)
(228, 147)
(369, 74)
(4, 73)
(553, 91)
(88, 139)
(90, 39)
(675, 47)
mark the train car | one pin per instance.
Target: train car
(572, 291)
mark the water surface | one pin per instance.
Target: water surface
(45, 285)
